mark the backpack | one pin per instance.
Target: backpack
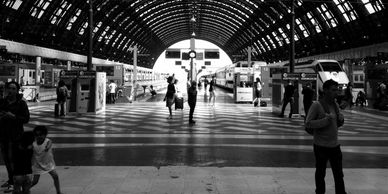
(62, 93)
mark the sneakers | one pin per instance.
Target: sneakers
(9, 189)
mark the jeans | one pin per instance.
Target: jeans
(334, 155)
(192, 107)
(287, 100)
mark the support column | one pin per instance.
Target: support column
(68, 65)
(134, 80)
(90, 48)
(38, 67)
(193, 73)
(292, 37)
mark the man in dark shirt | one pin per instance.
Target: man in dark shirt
(192, 100)
(308, 95)
(288, 98)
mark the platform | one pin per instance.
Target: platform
(232, 148)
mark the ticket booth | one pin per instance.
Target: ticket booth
(243, 87)
(88, 90)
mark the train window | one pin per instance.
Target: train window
(355, 77)
(30, 74)
(7, 71)
(361, 77)
(330, 66)
(108, 70)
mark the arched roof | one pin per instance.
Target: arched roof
(322, 26)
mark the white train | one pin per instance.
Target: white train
(225, 76)
(325, 68)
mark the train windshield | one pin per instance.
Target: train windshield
(330, 66)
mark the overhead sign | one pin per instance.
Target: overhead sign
(308, 76)
(173, 54)
(290, 76)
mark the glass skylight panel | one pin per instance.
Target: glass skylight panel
(39, 8)
(299, 2)
(111, 10)
(277, 38)
(82, 29)
(302, 27)
(284, 35)
(261, 46)
(73, 19)
(314, 22)
(97, 27)
(266, 44)
(14, 4)
(60, 12)
(327, 15)
(254, 4)
(296, 36)
(258, 47)
(373, 5)
(346, 9)
(270, 40)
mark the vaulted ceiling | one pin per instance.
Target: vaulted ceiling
(322, 26)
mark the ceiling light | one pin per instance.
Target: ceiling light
(193, 34)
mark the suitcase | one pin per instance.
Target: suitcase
(178, 103)
(263, 103)
(56, 110)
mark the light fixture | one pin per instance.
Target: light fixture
(193, 19)
(193, 34)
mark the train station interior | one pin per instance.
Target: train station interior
(125, 140)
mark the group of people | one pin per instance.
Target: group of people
(174, 95)
(24, 152)
(212, 93)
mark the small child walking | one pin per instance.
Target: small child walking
(43, 159)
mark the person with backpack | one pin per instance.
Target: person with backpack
(62, 94)
(324, 118)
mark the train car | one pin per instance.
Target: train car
(225, 75)
(326, 69)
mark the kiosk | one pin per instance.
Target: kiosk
(243, 87)
(87, 91)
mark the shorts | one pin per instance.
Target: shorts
(258, 94)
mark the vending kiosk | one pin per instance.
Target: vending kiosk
(88, 89)
(243, 87)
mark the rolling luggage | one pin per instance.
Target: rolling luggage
(56, 110)
(178, 103)
(263, 103)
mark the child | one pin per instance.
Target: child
(43, 159)
(22, 164)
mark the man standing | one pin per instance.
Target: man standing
(308, 95)
(192, 100)
(288, 98)
(112, 91)
(324, 118)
